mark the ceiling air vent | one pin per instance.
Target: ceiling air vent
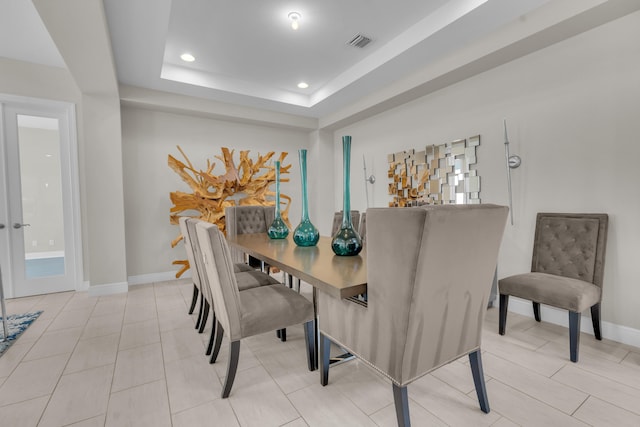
(359, 41)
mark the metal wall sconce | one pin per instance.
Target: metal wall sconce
(512, 162)
(367, 178)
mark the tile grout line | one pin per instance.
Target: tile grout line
(115, 363)
(164, 365)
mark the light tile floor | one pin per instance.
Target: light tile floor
(136, 360)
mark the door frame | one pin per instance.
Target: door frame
(66, 113)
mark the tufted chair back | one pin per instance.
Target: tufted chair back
(337, 221)
(247, 220)
(570, 245)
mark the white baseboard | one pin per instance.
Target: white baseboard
(108, 289)
(155, 277)
(116, 288)
(83, 286)
(610, 331)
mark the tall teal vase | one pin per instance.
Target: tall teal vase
(278, 229)
(305, 234)
(346, 241)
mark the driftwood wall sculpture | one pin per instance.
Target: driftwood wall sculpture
(245, 184)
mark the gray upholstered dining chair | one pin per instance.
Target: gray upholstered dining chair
(248, 220)
(200, 287)
(246, 278)
(430, 271)
(567, 270)
(252, 311)
(337, 221)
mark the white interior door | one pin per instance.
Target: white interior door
(40, 253)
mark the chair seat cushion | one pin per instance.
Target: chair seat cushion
(253, 279)
(557, 291)
(241, 266)
(268, 308)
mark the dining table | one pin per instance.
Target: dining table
(343, 277)
(339, 276)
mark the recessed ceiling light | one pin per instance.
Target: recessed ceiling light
(303, 85)
(187, 57)
(294, 17)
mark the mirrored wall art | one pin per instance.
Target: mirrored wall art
(439, 174)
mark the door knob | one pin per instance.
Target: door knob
(16, 225)
(1, 226)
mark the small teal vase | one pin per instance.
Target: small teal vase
(346, 241)
(278, 229)
(305, 234)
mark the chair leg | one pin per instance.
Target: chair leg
(325, 350)
(281, 334)
(217, 344)
(536, 310)
(475, 359)
(595, 319)
(194, 299)
(212, 336)
(574, 335)
(232, 367)
(200, 311)
(401, 400)
(205, 316)
(504, 303)
(316, 337)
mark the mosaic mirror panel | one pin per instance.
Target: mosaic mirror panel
(439, 174)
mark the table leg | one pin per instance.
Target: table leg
(335, 360)
(345, 357)
(316, 331)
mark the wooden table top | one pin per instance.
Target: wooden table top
(340, 276)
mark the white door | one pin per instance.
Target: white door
(39, 232)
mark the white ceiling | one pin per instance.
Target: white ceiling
(250, 47)
(247, 54)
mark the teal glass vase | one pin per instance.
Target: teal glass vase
(278, 229)
(346, 241)
(305, 234)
